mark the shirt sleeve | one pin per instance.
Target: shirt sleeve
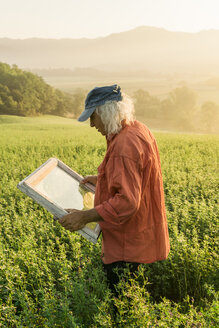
(124, 179)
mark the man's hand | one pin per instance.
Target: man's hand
(76, 219)
(73, 221)
(91, 179)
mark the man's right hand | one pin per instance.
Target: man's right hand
(90, 179)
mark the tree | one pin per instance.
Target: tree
(7, 103)
(146, 105)
(24, 93)
(181, 104)
(209, 116)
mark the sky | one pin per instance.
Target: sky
(21, 19)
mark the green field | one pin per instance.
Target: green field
(50, 277)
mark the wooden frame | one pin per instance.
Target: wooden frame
(34, 186)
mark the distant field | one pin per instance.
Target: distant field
(46, 119)
(159, 87)
(53, 278)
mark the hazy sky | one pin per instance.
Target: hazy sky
(95, 18)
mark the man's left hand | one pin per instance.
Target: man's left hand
(73, 221)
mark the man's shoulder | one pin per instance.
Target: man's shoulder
(136, 132)
(132, 141)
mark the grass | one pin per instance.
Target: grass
(50, 277)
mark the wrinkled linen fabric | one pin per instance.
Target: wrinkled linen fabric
(130, 198)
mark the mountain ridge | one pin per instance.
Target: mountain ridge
(146, 48)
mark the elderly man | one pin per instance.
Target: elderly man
(129, 199)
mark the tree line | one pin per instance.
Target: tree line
(27, 94)
(180, 107)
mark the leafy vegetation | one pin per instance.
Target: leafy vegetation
(26, 94)
(50, 277)
(180, 107)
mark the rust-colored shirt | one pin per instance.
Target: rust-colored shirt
(130, 198)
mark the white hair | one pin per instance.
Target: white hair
(112, 113)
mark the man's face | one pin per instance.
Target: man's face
(95, 121)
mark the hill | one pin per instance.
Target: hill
(144, 48)
(26, 94)
(43, 120)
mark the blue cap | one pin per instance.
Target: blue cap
(97, 97)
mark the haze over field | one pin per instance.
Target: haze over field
(144, 48)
